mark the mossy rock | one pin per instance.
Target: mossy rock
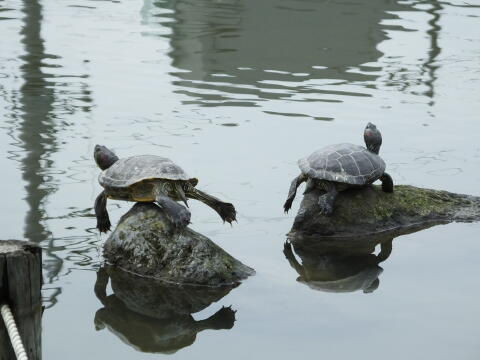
(369, 210)
(145, 243)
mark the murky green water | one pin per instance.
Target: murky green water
(236, 92)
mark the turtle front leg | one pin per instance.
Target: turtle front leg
(103, 221)
(178, 215)
(385, 251)
(293, 191)
(101, 283)
(387, 183)
(326, 201)
(222, 319)
(226, 210)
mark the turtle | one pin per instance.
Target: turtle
(341, 166)
(150, 178)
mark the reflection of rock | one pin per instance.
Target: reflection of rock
(343, 263)
(152, 316)
(369, 211)
(143, 243)
(347, 267)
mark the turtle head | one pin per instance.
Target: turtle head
(373, 138)
(104, 157)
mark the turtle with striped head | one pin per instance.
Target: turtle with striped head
(150, 178)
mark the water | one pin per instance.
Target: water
(236, 92)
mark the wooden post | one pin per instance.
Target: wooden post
(20, 288)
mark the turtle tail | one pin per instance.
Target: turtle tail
(226, 210)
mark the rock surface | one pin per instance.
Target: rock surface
(369, 210)
(144, 243)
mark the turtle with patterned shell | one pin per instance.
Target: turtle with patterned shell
(341, 166)
(150, 178)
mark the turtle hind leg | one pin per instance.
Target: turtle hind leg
(103, 220)
(387, 183)
(226, 210)
(178, 215)
(293, 191)
(327, 200)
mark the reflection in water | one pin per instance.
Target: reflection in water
(37, 133)
(343, 266)
(208, 72)
(240, 52)
(38, 109)
(153, 316)
(37, 130)
(434, 51)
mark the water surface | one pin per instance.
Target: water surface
(236, 92)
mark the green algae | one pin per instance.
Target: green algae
(370, 210)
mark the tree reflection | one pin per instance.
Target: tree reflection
(230, 51)
(243, 52)
(430, 66)
(38, 129)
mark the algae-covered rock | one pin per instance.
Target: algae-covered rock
(156, 317)
(145, 243)
(370, 210)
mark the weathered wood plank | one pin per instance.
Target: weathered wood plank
(20, 288)
(6, 351)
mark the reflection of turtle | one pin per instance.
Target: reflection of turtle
(338, 167)
(149, 178)
(338, 270)
(153, 316)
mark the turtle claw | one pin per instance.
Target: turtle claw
(287, 205)
(287, 249)
(104, 225)
(227, 212)
(182, 219)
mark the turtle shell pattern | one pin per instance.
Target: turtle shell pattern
(344, 163)
(128, 171)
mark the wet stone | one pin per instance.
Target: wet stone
(145, 243)
(369, 210)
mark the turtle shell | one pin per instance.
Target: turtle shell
(345, 163)
(128, 171)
